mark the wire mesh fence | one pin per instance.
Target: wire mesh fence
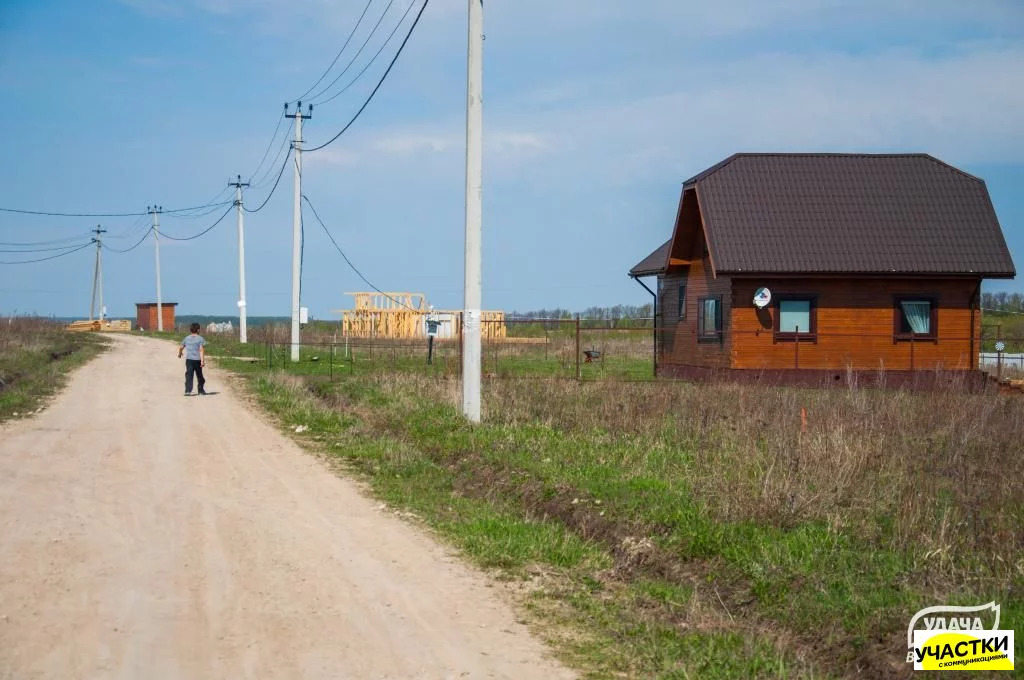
(631, 350)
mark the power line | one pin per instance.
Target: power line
(44, 243)
(137, 244)
(273, 189)
(203, 232)
(372, 59)
(124, 214)
(340, 52)
(358, 52)
(196, 216)
(348, 261)
(381, 82)
(52, 257)
(259, 166)
(133, 228)
(36, 250)
(265, 178)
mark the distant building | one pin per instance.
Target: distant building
(809, 268)
(145, 315)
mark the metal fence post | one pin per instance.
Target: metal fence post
(999, 355)
(796, 348)
(579, 370)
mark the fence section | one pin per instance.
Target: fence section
(585, 349)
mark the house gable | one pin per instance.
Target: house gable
(688, 238)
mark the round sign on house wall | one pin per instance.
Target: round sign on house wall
(762, 297)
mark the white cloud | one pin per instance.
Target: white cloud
(964, 108)
(404, 144)
(339, 158)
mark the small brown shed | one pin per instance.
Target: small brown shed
(804, 268)
(145, 315)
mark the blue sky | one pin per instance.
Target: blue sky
(595, 111)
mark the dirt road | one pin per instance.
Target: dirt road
(144, 534)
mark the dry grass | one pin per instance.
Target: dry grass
(942, 470)
(35, 355)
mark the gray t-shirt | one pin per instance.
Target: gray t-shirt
(192, 343)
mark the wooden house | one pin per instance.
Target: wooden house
(812, 268)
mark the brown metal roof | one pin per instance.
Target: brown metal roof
(653, 263)
(848, 213)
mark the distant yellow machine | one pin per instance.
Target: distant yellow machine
(403, 316)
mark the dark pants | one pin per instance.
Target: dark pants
(193, 366)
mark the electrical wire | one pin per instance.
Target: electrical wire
(358, 52)
(270, 144)
(348, 261)
(265, 179)
(372, 59)
(124, 214)
(43, 243)
(379, 83)
(196, 216)
(203, 232)
(36, 250)
(131, 248)
(340, 52)
(133, 229)
(51, 257)
(273, 189)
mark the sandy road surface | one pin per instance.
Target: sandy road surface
(144, 534)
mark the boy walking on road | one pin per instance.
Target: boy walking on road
(195, 358)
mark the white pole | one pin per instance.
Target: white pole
(474, 211)
(95, 278)
(297, 234)
(99, 272)
(242, 332)
(156, 241)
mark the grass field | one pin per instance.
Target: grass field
(35, 357)
(669, 530)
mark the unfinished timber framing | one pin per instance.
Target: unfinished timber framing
(403, 315)
(100, 326)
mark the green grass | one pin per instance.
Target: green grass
(611, 630)
(672, 531)
(35, 357)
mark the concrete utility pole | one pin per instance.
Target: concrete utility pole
(238, 184)
(474, 213)
(97, 274)
(155, 212)
(297, 224)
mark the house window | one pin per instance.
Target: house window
(682, 301)
(796, 318)
(915, 318)
(709, 321)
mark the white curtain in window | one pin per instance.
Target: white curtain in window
(710, 317)
(918, 314)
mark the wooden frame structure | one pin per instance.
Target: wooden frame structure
(402, 316)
